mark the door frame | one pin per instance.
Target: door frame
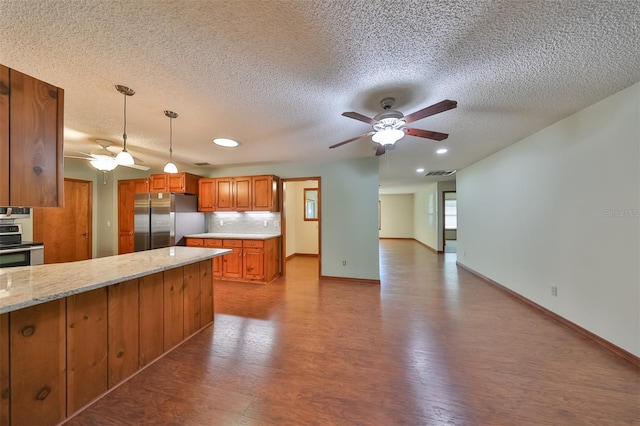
(444, 197)
(283, 222)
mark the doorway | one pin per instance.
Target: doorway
(66, 231)
(450, 222)
(301, 220)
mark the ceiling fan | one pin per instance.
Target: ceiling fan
(103, 159)
(388, 126)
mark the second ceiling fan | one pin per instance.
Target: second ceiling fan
(388, 126)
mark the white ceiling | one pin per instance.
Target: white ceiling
(276, 75)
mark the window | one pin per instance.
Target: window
(450, 214)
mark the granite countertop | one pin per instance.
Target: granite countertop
(230, 236)
(25, 286)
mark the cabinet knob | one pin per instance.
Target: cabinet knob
(28, 331)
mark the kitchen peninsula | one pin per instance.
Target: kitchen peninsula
(69, 332)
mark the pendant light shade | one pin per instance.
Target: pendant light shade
(124, 158)
(170, 167)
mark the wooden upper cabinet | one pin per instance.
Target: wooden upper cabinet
(141, 186)
(242, 195)
(224, 194)
(265, 193)
(31, 114)
(206, 194)
(179, 183)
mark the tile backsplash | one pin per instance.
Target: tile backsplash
(240, 223)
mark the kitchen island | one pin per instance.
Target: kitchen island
(69, 332)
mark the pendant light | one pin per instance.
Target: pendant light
(170, 167)
(124, 158)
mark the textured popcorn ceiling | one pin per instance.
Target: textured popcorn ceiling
(276, 75)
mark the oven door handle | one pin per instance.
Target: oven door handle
(17, 250)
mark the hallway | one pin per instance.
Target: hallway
(432, 345)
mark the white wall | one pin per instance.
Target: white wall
(560, 208)
(426, 215)
(302, 235)
(396, 215)
(349, 205)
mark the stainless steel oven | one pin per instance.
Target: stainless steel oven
(14, 251)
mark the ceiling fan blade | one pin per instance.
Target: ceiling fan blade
(359, 117)
(351, 140)
(137, 167)
(431, 110)
(380, 150)
(436, 136)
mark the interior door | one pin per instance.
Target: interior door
(66, 231)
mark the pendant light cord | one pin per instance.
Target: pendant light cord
(124, 135)
(171, 139)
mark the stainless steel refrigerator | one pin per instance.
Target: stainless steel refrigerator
(163, 219)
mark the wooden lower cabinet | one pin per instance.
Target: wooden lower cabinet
(37, 372)
(123, 331)
(86, 348)
(151, 288)
(206, 292)
(191, 299)
(4, 369)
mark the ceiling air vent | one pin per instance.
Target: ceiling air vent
(440, 173)
(201, 164)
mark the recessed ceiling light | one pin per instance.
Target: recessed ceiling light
(442, 151)
(228, 143)
(420, 170)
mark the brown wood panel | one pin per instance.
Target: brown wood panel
(271, 259)
(253, 264)
(265, 193)
(151, 298)
(173, 308)
(206, 291)
(4, 135)
(242, 193)
(36, 157)
(159, 183)
(232, 263)
(216, 261)
(4, 369)
(194, 242)
(191, 299)
(123, 328)
(37, 369)
(206, 194)
(141, 186)
(253, 243)
(86, 348)
(67, 240)
(231, 243)
(176, 182)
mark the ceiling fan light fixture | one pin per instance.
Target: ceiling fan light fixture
(124, 158)
(442, 151)
(104, 163)
(388, 136)
(170, 167)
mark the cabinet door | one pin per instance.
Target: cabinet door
(232, 263)
(224, 194)
(173, 308)
(126, 197)
(206, 292)
(176, 183)
(265, 193)
(86, 348)
(38, 358)
(124, 324)
(151, 289)
(4, 369)
(159, 183)
(216, 261)
(141, 186)
(194, 242)
(4, 137)
(242, 193)
(191, 299)
(36, 127)
(253, 263)
(206, 195)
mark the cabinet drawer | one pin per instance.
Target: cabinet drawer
(253, 243)
(232, 243)
(211, 242)
(195, 242)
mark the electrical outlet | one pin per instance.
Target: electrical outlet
(266, 223)
(344, 263)
(554, 291)
(221, 222)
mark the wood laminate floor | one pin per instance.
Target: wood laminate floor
(433, 345)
